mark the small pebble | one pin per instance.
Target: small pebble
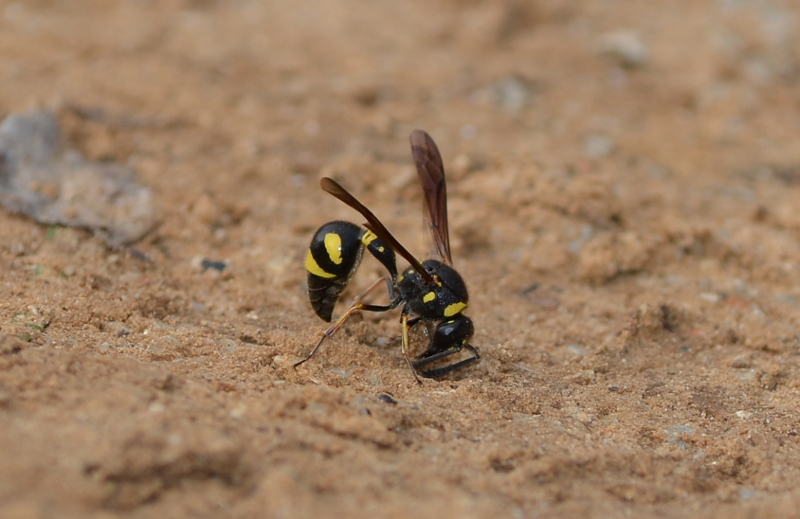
(383, 397)
(625, 47)
(597, 145)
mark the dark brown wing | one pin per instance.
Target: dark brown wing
(431, 175)
(374, 225)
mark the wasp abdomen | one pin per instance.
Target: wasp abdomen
(333, 257)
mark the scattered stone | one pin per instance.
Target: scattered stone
(207, 264)
(746, 375)
(678, 434)
(511, 93)
(576, 349)
(383, 397)
(202, 264)
(42, 178)
(624, 47)
(597, 145)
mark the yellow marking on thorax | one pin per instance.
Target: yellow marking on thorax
(368, 238)
(455, 308)
(313, 268)
(333, 244)
(427, 298)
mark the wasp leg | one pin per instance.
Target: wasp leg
(433, 373)
(404, 321)
(357, 306)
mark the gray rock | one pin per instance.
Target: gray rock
(42, 178)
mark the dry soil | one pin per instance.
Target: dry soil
(623, 179)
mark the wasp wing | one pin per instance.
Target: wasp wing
(331, 186)
(431, 176)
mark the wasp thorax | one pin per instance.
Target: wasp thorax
(446, 297)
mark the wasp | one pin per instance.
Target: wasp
(430, 292)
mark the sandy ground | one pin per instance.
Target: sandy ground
(624, 181)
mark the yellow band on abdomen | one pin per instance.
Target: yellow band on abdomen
(313, 267)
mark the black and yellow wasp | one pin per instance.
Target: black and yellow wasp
(430, 291)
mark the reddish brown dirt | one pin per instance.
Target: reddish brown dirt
(629, 231)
